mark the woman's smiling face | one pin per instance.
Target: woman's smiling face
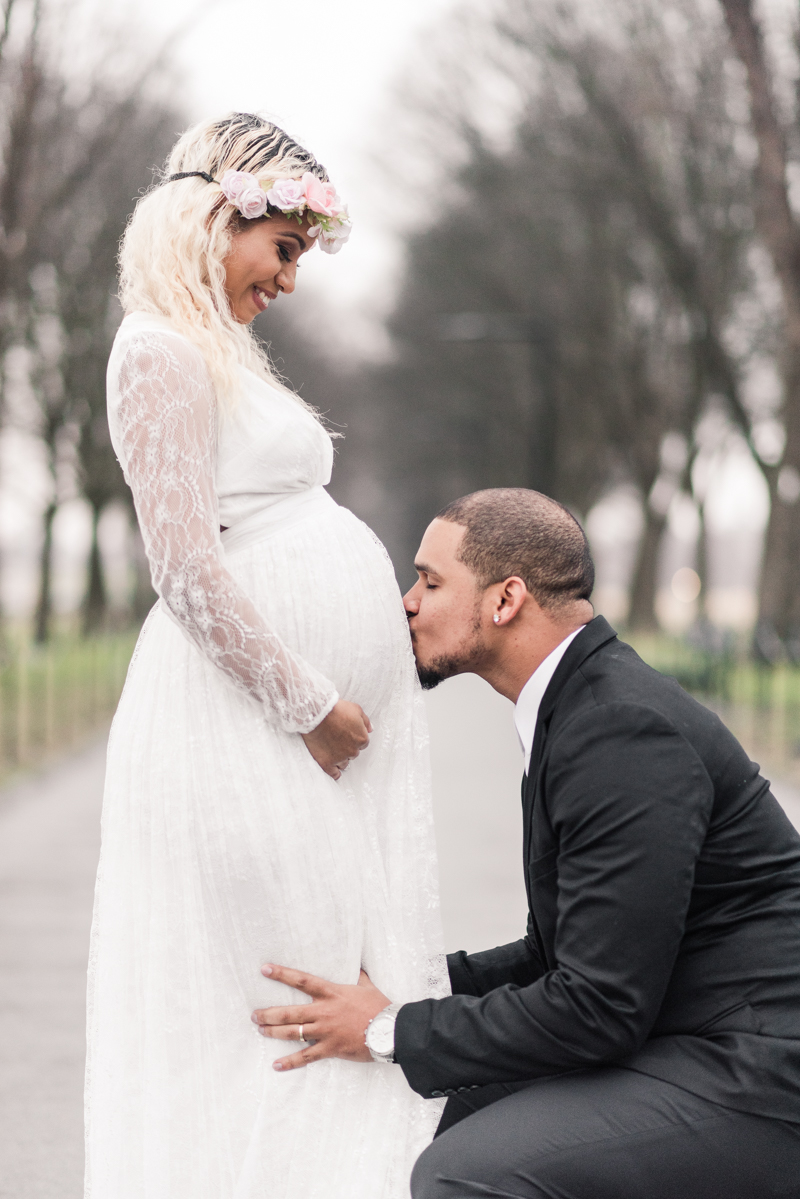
(262, 263)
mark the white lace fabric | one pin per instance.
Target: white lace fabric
(224, 845)
(167, 430)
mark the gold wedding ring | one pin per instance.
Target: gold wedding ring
(301, 1038)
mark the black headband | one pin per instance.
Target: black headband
(190, 174)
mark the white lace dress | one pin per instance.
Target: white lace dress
(224, 845)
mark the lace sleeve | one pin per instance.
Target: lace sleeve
(167, 433)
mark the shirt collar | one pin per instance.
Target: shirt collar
(530, 697)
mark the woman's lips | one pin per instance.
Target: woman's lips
(262, 298)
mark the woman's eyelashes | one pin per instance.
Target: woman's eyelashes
(284, 253)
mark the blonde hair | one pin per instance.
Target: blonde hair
(172, 257)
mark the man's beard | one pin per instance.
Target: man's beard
(462, 662)
(437, 671)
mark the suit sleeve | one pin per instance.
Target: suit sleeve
(479, 973)
(629, 801)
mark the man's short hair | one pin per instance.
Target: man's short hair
(515, 531)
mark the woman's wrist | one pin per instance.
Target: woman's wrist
(324, 711)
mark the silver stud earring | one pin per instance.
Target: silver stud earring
(496, 618)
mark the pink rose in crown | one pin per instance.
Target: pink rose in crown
(321, 197)
(287, 194)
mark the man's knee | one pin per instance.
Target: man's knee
(461, 1165)
(432, 1177)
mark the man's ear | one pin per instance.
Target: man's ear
(510, 595)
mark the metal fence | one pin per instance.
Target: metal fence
(53, 696)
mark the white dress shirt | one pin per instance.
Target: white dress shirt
(530, 697)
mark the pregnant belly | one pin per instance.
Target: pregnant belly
(328, 588)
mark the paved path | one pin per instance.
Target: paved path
(48, 852)
(49, 840)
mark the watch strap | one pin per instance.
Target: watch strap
(391, 1011)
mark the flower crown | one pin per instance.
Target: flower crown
(319, 202)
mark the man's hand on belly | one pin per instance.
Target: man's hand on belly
(335, 1020)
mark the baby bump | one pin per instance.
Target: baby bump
(285, 882)
(328, 588)
(264, 849)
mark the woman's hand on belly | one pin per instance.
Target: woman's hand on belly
(339, 738)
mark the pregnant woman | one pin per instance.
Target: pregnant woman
(241, 824)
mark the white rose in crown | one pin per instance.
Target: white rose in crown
(253, 203)
(286, 194)
(235, 183)
(245, 193)
(332, 240)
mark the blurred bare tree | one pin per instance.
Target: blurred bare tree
(590, 283)
(90, 313)
(779, 229)
(73, 160)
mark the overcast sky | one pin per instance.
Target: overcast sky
(321, 70)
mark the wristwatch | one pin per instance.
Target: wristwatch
(379, 1034)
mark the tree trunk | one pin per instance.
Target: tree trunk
(701, 562)
(780, 580)
(44, 606)
(642, 613)
(95, 603)
(779, 608)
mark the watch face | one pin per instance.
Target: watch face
(381, 1034)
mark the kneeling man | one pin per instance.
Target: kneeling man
(643, 1038)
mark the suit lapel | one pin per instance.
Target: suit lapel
(529, 781)
(529, 788)
(598, 632)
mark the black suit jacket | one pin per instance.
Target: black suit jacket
(663, 883)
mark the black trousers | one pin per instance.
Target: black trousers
(605, 1134)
